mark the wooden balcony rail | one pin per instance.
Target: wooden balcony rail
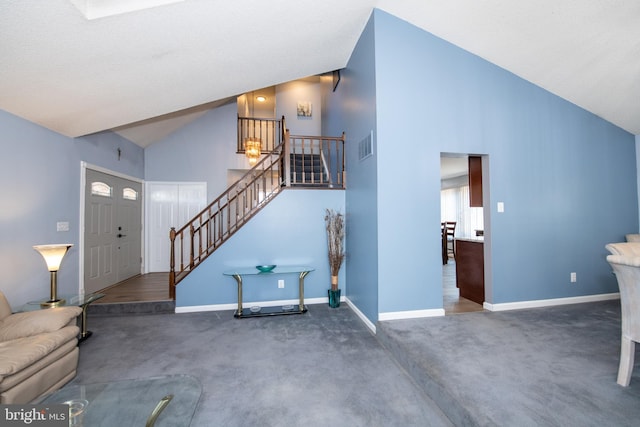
(316, 161)
(299, 161)
(270, 132)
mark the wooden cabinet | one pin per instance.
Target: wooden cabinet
(475, 181)
(470, 269)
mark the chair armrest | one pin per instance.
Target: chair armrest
(32, 323)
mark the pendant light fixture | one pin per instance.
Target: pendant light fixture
(253, 145)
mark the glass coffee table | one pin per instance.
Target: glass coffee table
(161, 401)
(81, 301)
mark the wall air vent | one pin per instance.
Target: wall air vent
(365, 147)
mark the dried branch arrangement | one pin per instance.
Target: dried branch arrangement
(334, 222)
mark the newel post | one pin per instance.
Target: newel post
(344, 170)
(172, 265)
(287, 158)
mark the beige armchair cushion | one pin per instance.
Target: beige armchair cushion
(17, 354)
(628, 249)
(32, 323)
(5, 308)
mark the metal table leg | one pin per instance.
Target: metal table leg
(239, 282)
(301, 290)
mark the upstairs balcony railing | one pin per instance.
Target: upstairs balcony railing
(297, 161)
(315, 161)
(270, 132)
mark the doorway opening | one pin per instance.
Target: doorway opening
(462, 231)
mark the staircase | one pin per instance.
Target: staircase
(306, 170)
(289, 162)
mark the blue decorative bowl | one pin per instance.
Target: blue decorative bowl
(265, 268)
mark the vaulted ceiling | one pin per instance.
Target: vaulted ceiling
(146, 72)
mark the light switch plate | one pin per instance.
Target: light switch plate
(500, 206)
(62, 226)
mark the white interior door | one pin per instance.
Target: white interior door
(169, 204)
(112, 235)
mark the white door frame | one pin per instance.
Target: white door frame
(81, 225)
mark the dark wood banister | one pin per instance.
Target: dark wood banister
(211, 219)
(240, 202)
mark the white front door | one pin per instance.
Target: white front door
(113, 224)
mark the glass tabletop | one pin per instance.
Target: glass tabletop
(131, 402)
(250, 271)
(69, 300)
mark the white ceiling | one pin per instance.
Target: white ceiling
(147, 72)
(453, 166)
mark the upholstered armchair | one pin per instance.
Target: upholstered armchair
(625, 261)
(38, 351)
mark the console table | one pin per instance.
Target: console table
(238, 273)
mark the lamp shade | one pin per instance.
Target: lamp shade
(53, 254)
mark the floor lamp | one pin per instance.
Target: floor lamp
(53, 255)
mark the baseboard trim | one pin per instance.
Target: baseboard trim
(234, 306)
(410, 314)
(549, 302)
(361, 315)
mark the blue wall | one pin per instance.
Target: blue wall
(352, 108)
(288, 231)
(39, 186)
(567, 177)
(202, 151)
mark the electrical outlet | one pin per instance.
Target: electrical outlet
(574, 277)
(280, 284)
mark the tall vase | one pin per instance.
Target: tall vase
(334, 293)
(334, 298)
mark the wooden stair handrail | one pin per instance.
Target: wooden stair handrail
(203, 220)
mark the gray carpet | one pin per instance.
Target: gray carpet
(318, 369)
(147, 307)
(553, 366)
(541, 367)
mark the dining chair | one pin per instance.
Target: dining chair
(625, 261)
(450, 233)
(443, 243)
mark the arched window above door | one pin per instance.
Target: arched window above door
(129, 194)
(101, 189)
